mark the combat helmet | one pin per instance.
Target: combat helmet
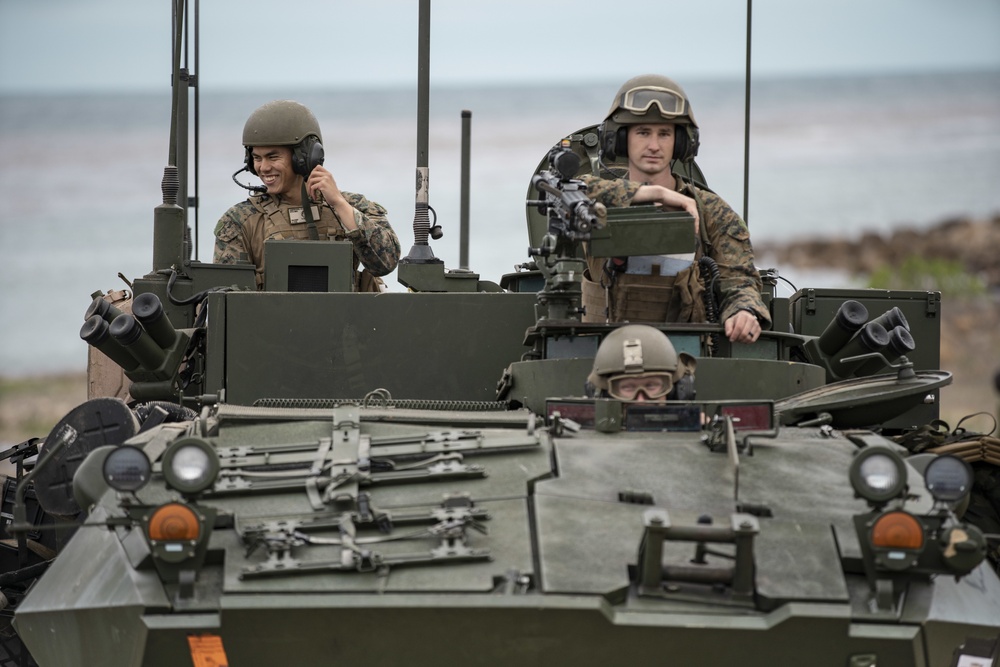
(638, 352)
(283, 123)
(649, 98)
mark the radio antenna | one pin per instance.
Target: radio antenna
(420, 252)
(746, 122)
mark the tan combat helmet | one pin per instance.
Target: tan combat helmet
(649, 98)
(638, 351)
(282, 123)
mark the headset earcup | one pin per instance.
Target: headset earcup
(248, 161)
(681, 143)
(695, 140)
(607, 143)
(686, 143)
(300, 156)
(621, 141)
(299, 160)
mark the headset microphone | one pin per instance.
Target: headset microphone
(259, 189)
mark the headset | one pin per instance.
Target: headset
(306, 156)
(615, 144)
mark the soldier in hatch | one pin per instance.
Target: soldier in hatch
(279, 138)
(638, 363)
(651, 125)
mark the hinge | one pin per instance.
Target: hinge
(635, 497)
(933, 303)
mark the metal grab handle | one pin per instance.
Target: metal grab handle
(653, 573)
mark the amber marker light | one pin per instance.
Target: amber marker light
(173, 522)
(898, 530)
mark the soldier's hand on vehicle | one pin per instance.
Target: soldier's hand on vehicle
(742, 327)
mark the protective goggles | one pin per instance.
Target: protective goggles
(651, 385)
(639, 100)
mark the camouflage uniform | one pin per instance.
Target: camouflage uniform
(243, 229)
(724, 237)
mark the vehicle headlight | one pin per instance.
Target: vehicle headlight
(948, 478)
(190, 465)
(126, 468)
(878, 475)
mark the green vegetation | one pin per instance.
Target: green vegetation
(919, 273)
(31, 406)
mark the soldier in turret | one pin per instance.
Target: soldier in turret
(638, 363)
(650, 123)
(284, 148)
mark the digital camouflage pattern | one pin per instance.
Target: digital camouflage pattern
(241, 232)
(725, 238)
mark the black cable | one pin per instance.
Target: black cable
(258, 189)
(708, 296)
(194, 298)
(175, 413)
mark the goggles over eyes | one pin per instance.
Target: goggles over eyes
(639, 100)
(652, 386)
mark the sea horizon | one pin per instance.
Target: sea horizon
(831, 156)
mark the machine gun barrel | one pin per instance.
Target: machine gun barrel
(571, 213)
(572, 216)
(572, 208)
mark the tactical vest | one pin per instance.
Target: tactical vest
(610, 295)
(277, 224)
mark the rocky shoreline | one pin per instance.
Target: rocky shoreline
(975, 244)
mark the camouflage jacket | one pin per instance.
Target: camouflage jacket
(243, 229)
(725, 238)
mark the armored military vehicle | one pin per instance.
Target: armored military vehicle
(311, 474)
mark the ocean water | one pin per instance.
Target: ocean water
(834, 156)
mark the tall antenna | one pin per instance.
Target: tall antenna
(421, 252)
(746, 122)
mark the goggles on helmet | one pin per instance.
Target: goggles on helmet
(639, 100)
(652, 385)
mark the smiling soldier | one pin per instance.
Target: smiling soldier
(301, 199)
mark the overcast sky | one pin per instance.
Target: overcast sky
(67, 45)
